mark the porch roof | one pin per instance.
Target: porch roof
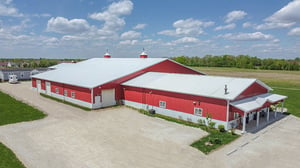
(256, 102)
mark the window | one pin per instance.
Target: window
(198, 111)
(57, 90)
(65, 92)
(162, 104)
(73, 94)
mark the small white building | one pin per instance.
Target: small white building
(12, 79)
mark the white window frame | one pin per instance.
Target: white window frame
(162, 104)
(73, 94)
(65, 92)
(198, 111)
(57, 90)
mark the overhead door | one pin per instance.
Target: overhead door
(108, 97)
(39, 86)
(48, 88)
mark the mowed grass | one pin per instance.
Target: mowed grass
(283, 82)
(13, 111)
(8, 159)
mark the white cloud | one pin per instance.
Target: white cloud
(63, 25)
(112, 16)
(273, 25)
(187, 27)
(139, 26)
(226, 27)
(286, 17)
(186, 40)
(128, 42)
(289, 13)
(234, 16)
(294, 32)
(256, 36)
(130, 35)
(7, 9)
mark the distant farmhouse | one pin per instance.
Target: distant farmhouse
(159, 84)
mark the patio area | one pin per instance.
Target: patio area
(256, 124)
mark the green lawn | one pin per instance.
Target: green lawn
(8, 159)
(216, 138)
(13, 111)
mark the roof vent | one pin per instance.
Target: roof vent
(143, 54)
(226, 90)
(106, 55)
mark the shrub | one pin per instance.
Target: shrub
(201, 121)
(212, 124)
(217, 141)
(221, 128)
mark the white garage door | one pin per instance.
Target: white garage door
(48, 88)
(108, 97)
(39, 86)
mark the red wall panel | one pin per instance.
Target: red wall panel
(83, 94)
(176, 101)
(33, 82)
(254, 89)
(171, 67)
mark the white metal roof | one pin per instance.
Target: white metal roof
(96, 71)
(60, 65)
(255, 102)
(201, 85)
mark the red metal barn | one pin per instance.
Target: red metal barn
(160, 84)
(95, 83)
(193, 97)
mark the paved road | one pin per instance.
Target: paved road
(120, 137)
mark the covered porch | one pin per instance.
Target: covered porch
(258, 111)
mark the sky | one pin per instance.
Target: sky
(164, 28)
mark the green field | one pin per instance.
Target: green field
(8, 159)
(283, 82)
(13, 111)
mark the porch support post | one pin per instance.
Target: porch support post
(244, 123)
(268, 114)
(282, 105)
(275, 114)
(257, 118)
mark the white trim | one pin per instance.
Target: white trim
(198, 110)
(75, 101)
(173, 113)
(162, 104)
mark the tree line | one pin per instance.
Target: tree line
(241, 61)
(36, 63)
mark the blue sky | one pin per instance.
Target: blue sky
(165, 28)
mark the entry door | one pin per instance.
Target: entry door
(108, 97)
(39, 86)
(48, 88)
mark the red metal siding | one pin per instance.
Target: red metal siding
(33, 82)
(254, 89)
(171, 67)
(176, 101)
(83, 94)
(43, 85)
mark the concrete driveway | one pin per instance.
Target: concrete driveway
(121, 137)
